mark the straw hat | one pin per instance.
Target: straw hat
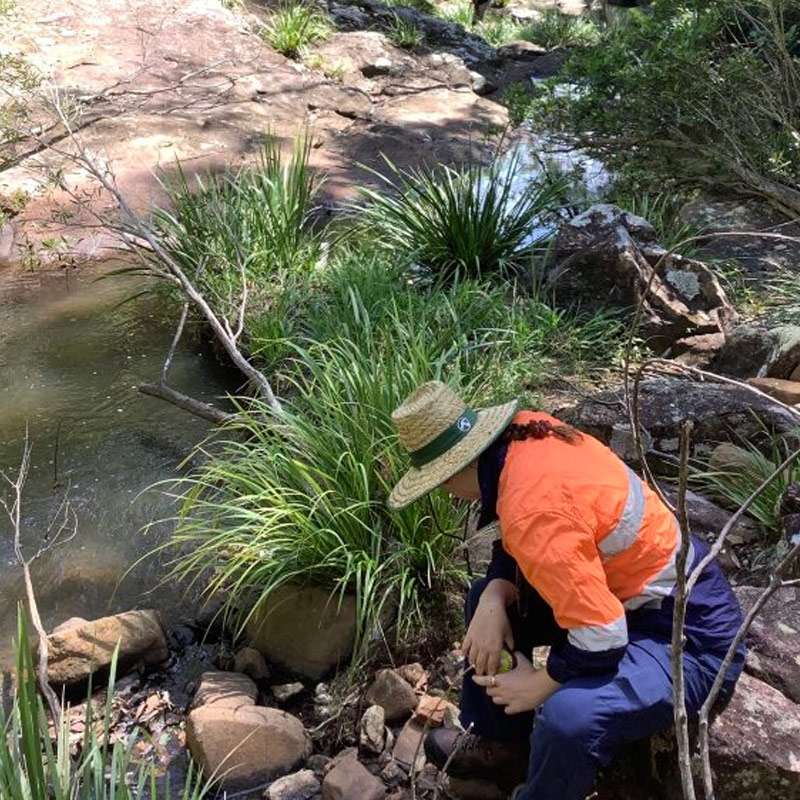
(442, 435)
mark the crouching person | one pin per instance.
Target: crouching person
(586, 564)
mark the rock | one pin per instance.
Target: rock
(287, 691)
(773, 642)
(697, 351)
(754, 352)
(415, 674)
(380, 66)
(479, 83)
(304, 630)
(393, 775)
(727, 457)
(785, 391)
(247, 745)
(408, 749)
(795, 376)
(72, 622)
(301, 785)
(393, 694)
(249, 661)
(373, 724)
(432, 710)
(755, 744)
(521, 51)
(720, 412)
(318, 762)
(706, 518)
(607, 255)
(349, 779)
(225, 690)
(82, 650)
(758, 256)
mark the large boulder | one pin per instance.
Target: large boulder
(750, 351)
(707, 519)
(84, 649)
(720, 412)
(773, 643)
(304, 629)
(607, 255)
(246, 745)
(755, 744)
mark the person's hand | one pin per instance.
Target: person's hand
(488, 633)
(522, 689)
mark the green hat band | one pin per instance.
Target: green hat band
(446, 439)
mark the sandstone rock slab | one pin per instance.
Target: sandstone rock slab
(82, 650)
(408, 749)
(248, 744)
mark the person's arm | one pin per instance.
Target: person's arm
(558, 556)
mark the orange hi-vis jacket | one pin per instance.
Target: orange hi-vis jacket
(587, 533)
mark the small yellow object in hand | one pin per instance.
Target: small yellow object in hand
(508, 662)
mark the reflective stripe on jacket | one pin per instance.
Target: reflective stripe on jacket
(589, 535)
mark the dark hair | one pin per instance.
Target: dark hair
(540, 429)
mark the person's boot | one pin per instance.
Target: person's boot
(470, 756)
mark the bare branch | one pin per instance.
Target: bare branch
(190, 404)
(678, 619)
(30, 595)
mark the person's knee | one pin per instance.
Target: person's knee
(570, 720)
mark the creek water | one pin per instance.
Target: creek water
(70, 359)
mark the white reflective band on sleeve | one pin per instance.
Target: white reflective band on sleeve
(600, 637)
(626, 530)
(662, 584)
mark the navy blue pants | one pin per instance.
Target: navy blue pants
(580, 727)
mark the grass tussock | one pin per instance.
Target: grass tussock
(294, 27)
(461, 222)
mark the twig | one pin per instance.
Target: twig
(14, 512)
(174, 345)
(678, 620)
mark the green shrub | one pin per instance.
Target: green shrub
(403, 34)
(254, 220)
(558, 30)
(518, 99)
(294, 27)
(33, 767)
(692, 93)
(469, 221)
